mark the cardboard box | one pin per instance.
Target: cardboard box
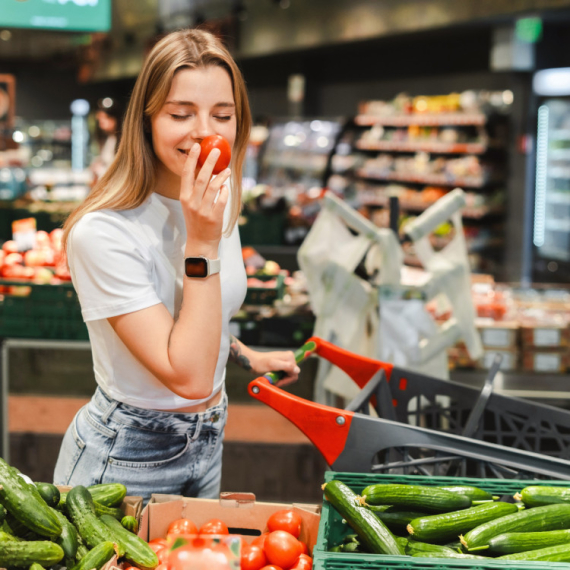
(498, 334)
(242, 514)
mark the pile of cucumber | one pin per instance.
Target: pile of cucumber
(81, 530)
(457, 521)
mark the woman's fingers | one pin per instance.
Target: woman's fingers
(189, 172)
(214, 187)
(205, 175)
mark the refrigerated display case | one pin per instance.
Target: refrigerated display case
(551, 215)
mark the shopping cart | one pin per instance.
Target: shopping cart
(484, 435)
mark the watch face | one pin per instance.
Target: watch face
(196, 267)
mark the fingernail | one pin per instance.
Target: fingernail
(297, 370)
(215, 152)
(226, 172)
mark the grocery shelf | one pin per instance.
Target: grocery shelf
(423, 146)
(448, 119)
(431, 179)
(558, 225)
(554, 197)
(560, 134)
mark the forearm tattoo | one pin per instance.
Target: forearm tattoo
(236, 355)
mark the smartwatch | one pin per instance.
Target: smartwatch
(201, 267)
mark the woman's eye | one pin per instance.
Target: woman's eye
(224, 117)
(179, 117)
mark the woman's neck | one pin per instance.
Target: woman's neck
(167, 184)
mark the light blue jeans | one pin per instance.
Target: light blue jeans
(148, 451)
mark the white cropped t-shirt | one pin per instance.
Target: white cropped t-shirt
(129, 260)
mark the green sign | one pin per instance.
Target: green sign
(72, 15)
(528, 30)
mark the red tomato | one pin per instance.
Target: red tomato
(182, 526)
(158, 542)
(131, 568)
(210, 143)
(214, 526)
(282, 548)
(272, 567)
(287, 520)
(252, 557)
(304, 548)
(260, 540)
(304, 562)
(162, 566)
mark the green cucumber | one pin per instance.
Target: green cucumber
(560, 553)
(101, 509)
(536, 496)
(108, 494)
(415, 547)
(513, 542)
(25, 503)
(474, 493)
(23, 553)
(402, 542)
(549, 517)
(82, 551)
(7, 536)
(3, 514)
(97, 557)
(93, 531)
(36, 566)
(130, 523)
(49, 493)
(136, 550)
(447, 526)
(68, 538)
(397, 521)
(372, 531)
(415, 497)
(450, 554)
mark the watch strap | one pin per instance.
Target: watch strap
(214, 266)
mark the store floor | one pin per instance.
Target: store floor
(264, 453)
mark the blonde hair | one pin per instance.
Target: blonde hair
(131, 176)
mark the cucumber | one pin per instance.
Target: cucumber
(415, 497)
(513, 542)
(49, 493)
(372, 531)
(136, 550)
(25, 503)
(536, 496)
(108, 494)
(68, 538)
(559, 553)
(474, 493)
(101, 509)
(6, 536)
(448, 526)
(36, 566)
(93, 531)
(3, 514)
(23, 553)
(450, 554)
(97, 557)
(397, 521)
(82, 551)
(415, 547)
(549, 517)
(130, 523)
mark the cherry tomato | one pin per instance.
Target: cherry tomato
(182, 526)
(210, 143)
(252, 557)
(304, 562)
(260, 540)
(282, 548)
(214, 526)
(304, 548)
(287, 520)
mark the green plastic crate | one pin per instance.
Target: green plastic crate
(46, 312)
(263, 295)
(332, 530)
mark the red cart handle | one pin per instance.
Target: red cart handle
(326, 427)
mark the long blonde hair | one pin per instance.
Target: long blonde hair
(131, 176)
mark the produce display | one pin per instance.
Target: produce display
(460, 522)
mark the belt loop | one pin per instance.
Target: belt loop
(198, 428)
(112, 407)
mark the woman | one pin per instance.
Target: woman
(160, 337)
(109, 117)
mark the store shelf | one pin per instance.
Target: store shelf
(559, 154)
(423, 146)
(558, 225)
(554, 197)
(431, 179)
(560, 134)
(447, 119)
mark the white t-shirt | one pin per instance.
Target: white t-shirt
(126, 261)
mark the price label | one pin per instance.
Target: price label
(547, 362)
(496, 337)
(24, 233)
(546, 337)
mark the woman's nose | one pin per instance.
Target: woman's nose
(201, 128)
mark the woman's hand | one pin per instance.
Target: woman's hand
(203, 213)
(276, 361)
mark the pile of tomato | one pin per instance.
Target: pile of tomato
(277, 549)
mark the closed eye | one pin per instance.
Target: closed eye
(224, 117)
(179, 117)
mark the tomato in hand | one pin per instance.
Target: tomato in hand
(182, 526)
(252, 557)
(210, 143)
(304, 562)
(214, 526)
(282, 549)
(287, 520)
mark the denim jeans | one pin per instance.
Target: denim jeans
(146, 450)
